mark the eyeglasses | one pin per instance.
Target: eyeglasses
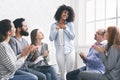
(101, 33)
(98, 33)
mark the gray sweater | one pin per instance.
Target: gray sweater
(18, 46)
(44, 47)
(112, 63)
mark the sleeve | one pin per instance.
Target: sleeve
(30, 62)
(7, 62)
(13, 45)
(53, 32)
(46, 46)
(83, 68)
(70, 31)
(94, 58)
(96, 61)
(46, 59)
(40, 58)
(110, 60)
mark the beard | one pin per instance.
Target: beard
(24, 33)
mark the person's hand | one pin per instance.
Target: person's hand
(82, 55)
(61, 26)
(33, 49)
(99, 48)
(64, 26)
(57, 27)
(27, 50)
(45, 54)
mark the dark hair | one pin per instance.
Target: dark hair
(33, 36)
(18, 22)
(5, 26)
(59, 11)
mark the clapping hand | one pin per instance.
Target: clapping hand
(45, 54)
(82, 55)
(99, 48)
(27, 50)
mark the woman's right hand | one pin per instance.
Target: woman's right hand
(99, 48)
(26, 51)
(45, 54)
(57, 27)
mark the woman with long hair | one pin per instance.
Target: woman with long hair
(39, 58)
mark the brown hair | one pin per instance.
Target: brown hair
(33, 36)
(113, 37)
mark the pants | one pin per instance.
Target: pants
(72, 75)
(48, 69)
(40, 75)
(84, 75)
(65, 61)
(22, 75)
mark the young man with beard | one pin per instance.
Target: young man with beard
(18, 43)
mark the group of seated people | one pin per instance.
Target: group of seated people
(22, 61)
(103, 59)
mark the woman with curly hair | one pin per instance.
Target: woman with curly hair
(62, 33)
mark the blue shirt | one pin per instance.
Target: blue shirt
(93, 61)
(68, 36)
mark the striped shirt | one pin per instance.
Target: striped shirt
(8, 61)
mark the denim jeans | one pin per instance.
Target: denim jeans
(23, 77)
(48, 69)
(40, 75)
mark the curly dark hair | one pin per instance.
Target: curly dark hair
(59, 11)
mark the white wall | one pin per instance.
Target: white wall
(80, 29)
(38, 13)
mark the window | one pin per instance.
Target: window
(101, 14)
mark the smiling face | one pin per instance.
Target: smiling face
(12, 30)
(64, 15)
(39, 35)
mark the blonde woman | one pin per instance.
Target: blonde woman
(62, 33)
